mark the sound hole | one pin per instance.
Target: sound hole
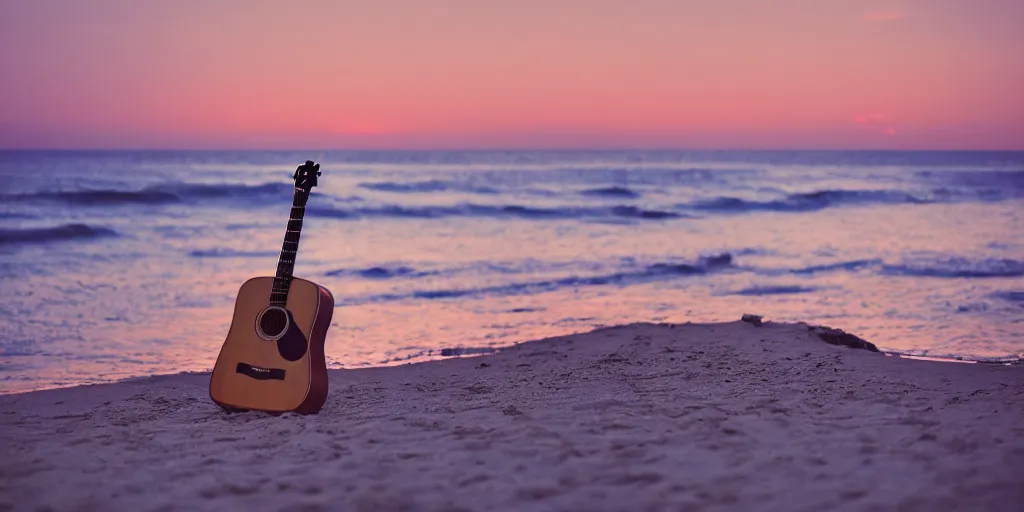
(273, 322)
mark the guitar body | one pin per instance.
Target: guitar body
(273, 357)
(273, 360)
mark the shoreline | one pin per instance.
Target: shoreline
(460, 352)
(643, 416)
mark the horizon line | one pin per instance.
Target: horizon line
(515, 149)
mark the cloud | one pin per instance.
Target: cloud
(890, 131)
(882, 17)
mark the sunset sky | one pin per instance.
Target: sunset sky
(512, 74)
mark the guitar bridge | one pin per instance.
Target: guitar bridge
(259, 373)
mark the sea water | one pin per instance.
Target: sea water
(127, 263)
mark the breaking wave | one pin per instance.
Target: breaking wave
(957, 268)
(1010, 296)
(166, 193)
(1003, 180)
(231, 253)
(810, 201)
(57, 233)
(613, 192)
(426, 186)
(773, 290)
(844, 265)
(493, 211)
(655, 272)
(381, 272)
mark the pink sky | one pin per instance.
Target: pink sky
(527, 74)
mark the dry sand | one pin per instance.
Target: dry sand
(634, 418)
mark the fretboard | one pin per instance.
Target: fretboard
(290, 247)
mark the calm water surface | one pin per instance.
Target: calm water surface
(118, 264)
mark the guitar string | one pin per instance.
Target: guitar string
(280, 297)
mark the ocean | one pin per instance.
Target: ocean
(117, 264)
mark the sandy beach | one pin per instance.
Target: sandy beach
(728, 416)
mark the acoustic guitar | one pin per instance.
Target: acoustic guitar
(273, 357)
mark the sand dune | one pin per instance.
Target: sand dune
(641, 417)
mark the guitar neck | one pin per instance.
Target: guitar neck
(289, 249)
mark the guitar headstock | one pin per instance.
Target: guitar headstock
(305, 175)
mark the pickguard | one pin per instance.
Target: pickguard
(293, 345)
